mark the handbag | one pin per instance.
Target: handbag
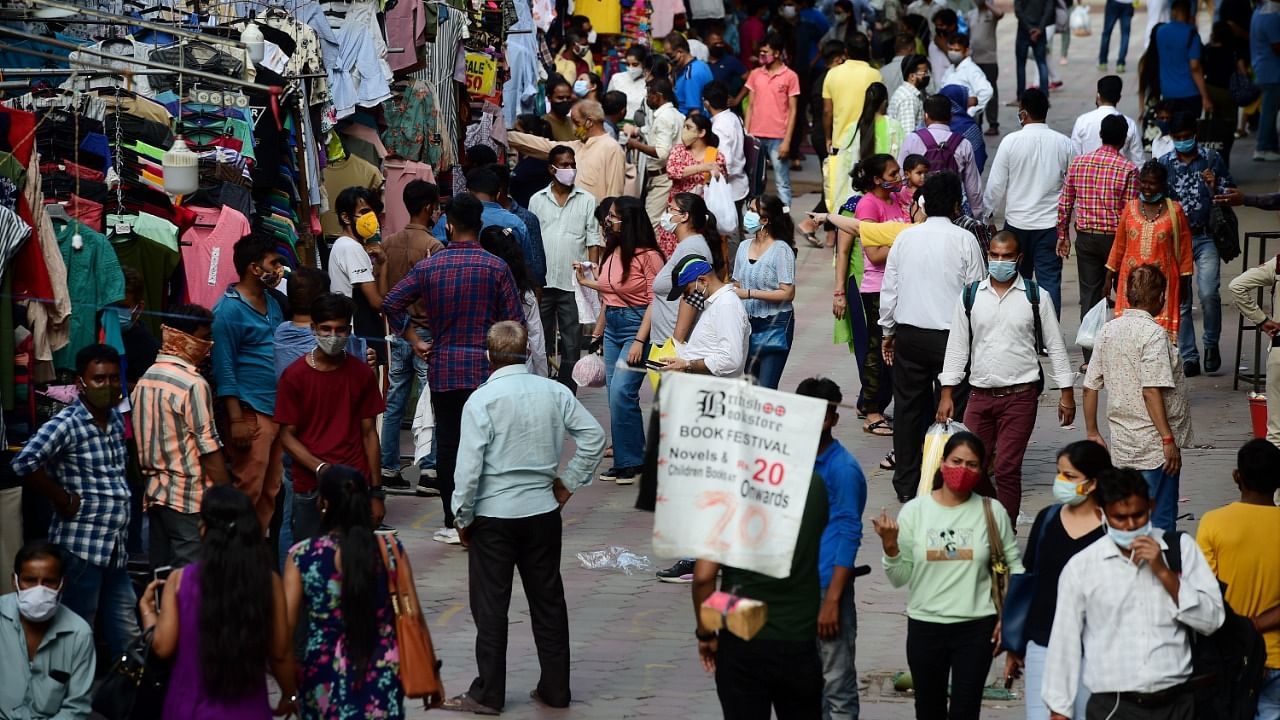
(768, 334)
(135, 686)
(999, 564)
(419, 668)
(1017, 603)
(1225, 230)
(1242, 89)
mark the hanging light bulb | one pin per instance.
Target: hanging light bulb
(181, 169)
(252, 37)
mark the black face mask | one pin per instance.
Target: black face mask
(716, 51)
(562, 107)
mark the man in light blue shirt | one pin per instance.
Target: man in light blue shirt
(507, 500)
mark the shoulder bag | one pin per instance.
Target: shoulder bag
(419, 668)
(135, 685)
(1017, 602)
(999, 564)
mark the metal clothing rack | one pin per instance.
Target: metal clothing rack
(138, 22)
(1256, 375)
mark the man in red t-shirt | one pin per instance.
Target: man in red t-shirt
(327, 404)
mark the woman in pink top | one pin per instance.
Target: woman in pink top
(631, 262)
(691, 164)
(879, 180)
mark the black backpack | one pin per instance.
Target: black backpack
(1033, 296)
(1227, 667)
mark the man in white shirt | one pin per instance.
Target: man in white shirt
(945, 24)
(1025, 181)
(937, 118)
(964, 71)
(718, 343)
(570, 234)
(660, 134)
(997, 333)
(1086, 136)
(927, 269)
(1143, 597)
(728, 128)
(982, 41)
(926, 8)
(906, 104)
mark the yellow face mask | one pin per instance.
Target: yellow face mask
(367, 225)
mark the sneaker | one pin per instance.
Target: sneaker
(1266, 156)
(385, 529)
(681, 572)
(393, 481)
(1120, 69)
(1212, 359)
(427, 472)
(449, 536)
(1102, 67)
(426, 491)
(1191, 368)
(627, 476)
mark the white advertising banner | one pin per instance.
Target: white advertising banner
(734, 467)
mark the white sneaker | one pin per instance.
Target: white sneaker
(1266, 156)
(448, 536)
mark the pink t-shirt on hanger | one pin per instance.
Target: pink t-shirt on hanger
(208, 259)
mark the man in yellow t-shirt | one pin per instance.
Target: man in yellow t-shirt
(843, 91)
(1242, 544)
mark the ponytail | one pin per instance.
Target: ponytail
(704, 221)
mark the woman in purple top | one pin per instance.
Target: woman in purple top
(222, 620)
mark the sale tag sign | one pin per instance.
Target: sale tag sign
(482, 74)
(734, 467)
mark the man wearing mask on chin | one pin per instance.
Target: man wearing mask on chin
(996, 334)
(601, 161)
(1150, 589)
(46, 650)
(178, 448)
(560, 94)
(77, 461)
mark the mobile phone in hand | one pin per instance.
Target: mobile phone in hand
(161, 573)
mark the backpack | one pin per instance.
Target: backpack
(1226, 667)
(1033, 296)
(941, 156)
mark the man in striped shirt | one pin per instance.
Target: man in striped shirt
(178, 446)
(1098, 186)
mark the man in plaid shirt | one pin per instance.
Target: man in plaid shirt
(1098, 186)
(465, 291)
(77, 461)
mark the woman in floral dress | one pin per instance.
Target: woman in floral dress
(690, 168)
(336, 584)
(1153, 230)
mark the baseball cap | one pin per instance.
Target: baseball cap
(686, 271)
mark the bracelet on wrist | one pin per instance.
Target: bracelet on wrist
(1166, 440)
(320, 467)
(838, 293)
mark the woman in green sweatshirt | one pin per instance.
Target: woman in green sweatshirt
(939, 548)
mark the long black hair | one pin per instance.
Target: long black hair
(780, 225)
(348, 516)
(704, 222)
(235, 617)
(502, 242)
(1149, 69)
(867, 173)
(636, 233)
(876, 98)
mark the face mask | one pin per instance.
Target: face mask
(581, 88)
(580, 132)
(1124, 538)
(841, 18)
(1068, 492)
(716, 51)
(959, 478)
(100, 397)
(566, 176)
(591, 37)
(667, 223)
(635, 73)
(1184, 146)
(923, 82)
(582, 50)
(1002, 270)
(697, 299)
(1153, 198)
(688, 137)
(750, 222)
(184, 345)
(1163, 125)
(955, 56)
(892, 186)
(367, 225)
(37, 604)
(331, 344)
(562, 107)
(788, 11)
(128, 317)
(766, 59)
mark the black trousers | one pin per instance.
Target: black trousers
(499, 546)
(447, 406)
(1106, 705)
(1092, 250)
(757, 677)
(917, 360)
(960, 652)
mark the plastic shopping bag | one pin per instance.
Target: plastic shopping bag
(934, 440)
(719, 201)
(1080, 21)
(1091, 324)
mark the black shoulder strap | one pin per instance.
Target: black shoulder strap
(1033, 296)
(1173, 555)
(967, 297)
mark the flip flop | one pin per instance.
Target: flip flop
(877, 427)
(889, 462)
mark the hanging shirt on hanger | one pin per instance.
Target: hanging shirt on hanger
(94, 281)
(207, 260)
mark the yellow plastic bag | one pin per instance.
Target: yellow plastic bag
(659, 354)
(935, 439)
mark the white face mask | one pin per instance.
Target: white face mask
(635, 72)
(667, 223)
(37, 604)
(566, 176)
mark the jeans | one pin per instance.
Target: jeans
(754, 677)
(285, 540)
(1267, 138)
(403, 358)
(959, 652)
(1163, 488)
(766, 366)
(626, 422)
(1115, 11)
(1033, 672)
(1040, 261)
(559, 309)
(839, 676)
(1038, 49)
(90, 589)
(1269, 695)
(781, 168)
(306, 516)
(1206, 279)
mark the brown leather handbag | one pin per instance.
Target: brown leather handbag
(1000, 570)
(419, 668)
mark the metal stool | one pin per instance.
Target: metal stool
(1257, 374)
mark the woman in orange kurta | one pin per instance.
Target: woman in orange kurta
(691, 164)
(1153, 230)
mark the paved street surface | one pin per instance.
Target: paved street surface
(634, 654)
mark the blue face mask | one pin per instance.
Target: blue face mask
(1155, 198)
(581, 88)
(1184, 146)
(1067, 492)
(1003, 270)
(1124, 538)
(750, 222)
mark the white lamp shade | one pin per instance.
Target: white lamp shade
(181, 169)
(253, 39)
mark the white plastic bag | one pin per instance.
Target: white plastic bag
(719, 201)
(589, 371)
(1080, 21)
(935, 439)
(1091, 324)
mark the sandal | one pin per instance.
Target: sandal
(879, 428)
(608, 452)
(812, 239)
(889, 462)
(466, 703)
